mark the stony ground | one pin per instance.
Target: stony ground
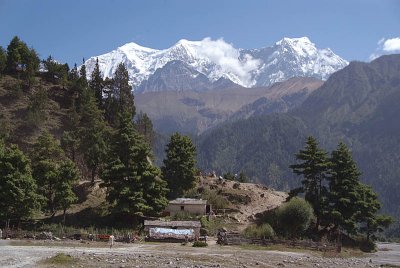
(97, 254)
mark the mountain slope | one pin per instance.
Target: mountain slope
(191, 111)
(297, 57)
(179, 76)
(279, 98)
(358, 105)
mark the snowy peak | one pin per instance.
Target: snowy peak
(301, 46)
(295, 57)
(216, 59)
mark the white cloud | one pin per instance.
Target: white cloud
(392, 45)
(227, 57)
(386, 46)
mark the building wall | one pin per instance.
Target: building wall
(198, 209)
(195, 229)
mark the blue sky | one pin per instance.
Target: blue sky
(75, 29)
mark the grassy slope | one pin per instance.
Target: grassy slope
(14, 111)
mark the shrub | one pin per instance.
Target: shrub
(216, 200)
(367, 245)
(200, 244)
(211, 227)
(294, 217)
(262, 231)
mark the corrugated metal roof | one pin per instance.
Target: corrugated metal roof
(173, 223)
(188, 201)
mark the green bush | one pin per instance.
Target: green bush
(262, 231)
(211, 227)
(216, 200)
(200, 244)
(294, 217)
(366, 245)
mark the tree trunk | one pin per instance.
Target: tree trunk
(64, 212)
(93, 174)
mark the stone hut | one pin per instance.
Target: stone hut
(189, 205)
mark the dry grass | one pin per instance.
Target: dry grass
(61, 260)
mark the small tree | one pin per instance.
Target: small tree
(55, 72)
(294, 217)
(53, 173)
(18, 197)
(370, 221)
(180, 165)
(32, 66)
(20, 58)
(38, 104)
(68, 177)
(14, 51)
(3, 60)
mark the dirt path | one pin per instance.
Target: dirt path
(29, 254)
(388, 253)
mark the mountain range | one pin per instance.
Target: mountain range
(357, 105)
(215, 64)
(195, 85)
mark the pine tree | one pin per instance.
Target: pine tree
(18, 198)
(111, 106)
(14, 57)
(180, 165)
(3, 60)
(50, 170)
(313, 168)
(145, 127)
(32, 63)
(68, 177)
(92, 133)
(123, 91)
(69, 143)
(79, 85)
(56, 72)
(133, 183)
(22, 59)
(97, 84)
(344, 190)
(370, 221)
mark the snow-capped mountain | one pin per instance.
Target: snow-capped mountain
(294, 57)
(216, 59)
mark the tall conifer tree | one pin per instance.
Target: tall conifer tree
(97, 84)
(314, 168)
(92, 134)
(133, 183)
(179, 168)
(344, 190)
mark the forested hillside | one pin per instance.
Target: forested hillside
(357, 105)
(59, 129)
